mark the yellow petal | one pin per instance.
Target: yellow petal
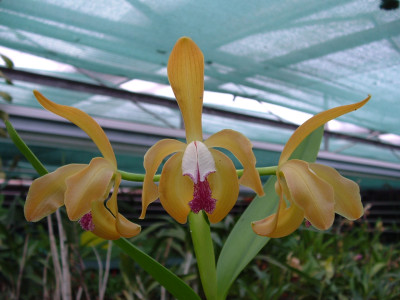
(284, 221)
(224, 186)
(104, 221)
(241, 147)
(89, 239)
(112, 204)
(46, 193)
(127, 228)
(124, 227)
(83, 121)
(313, 123)
(175, 189)
(312, 194)
(186, 76)
(276, 226)
(90, 184)
(347, 192)
(108, 227)
(152, 160)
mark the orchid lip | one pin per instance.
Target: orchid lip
(86, 222)
(202, 198)
(198, 163)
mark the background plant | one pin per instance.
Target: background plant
(351, 261)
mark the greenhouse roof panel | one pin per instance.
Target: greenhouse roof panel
(307, 55)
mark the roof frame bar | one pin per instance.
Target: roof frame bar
(143, 98)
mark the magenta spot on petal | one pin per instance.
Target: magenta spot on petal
(202, 199)
(307, 223)
(86, 222)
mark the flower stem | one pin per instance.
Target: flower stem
(140, 177)
(135, 176)
(204, 250)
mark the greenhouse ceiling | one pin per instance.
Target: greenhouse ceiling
(264, 60)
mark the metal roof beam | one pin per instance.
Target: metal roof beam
(142, 98)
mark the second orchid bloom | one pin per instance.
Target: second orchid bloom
(196, 177)
(82, 188)
(310, 190)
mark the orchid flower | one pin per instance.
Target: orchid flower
(82, 188)
(196, 177)
(314, 191)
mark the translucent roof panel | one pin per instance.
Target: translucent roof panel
(306, 55)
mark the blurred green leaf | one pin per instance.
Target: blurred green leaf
(6, 96)
(3, 115)
(8, 80)
(9, 63)
(377, 268)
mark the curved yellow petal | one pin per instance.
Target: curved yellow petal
(90, 184)
(224, 186)
(127, 228)
(312, 194)
(104, 221)
(284, 221)
(347, 192)
(313, 123)
(186, 76)
(112, 204)
(280, 224)
(175, 189)
(83, 121)
(152, 160)
(241, 147)
(106, 225)
(124, 227)
(46, 193)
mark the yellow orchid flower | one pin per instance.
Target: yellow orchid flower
(82, 188)
(314, 191)
(196, 177)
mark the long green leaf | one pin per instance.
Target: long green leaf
(178, 288)
(24, 149)
(243, 244)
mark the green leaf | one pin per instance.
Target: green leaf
(243, 244)
(8, 80)
(377, 268)
(173, 284)
(9, 63)
(24, 149)
(6, 96)
(3, 116)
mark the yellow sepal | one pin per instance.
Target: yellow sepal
(84, 122)
(186, 76)
(313, 123)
